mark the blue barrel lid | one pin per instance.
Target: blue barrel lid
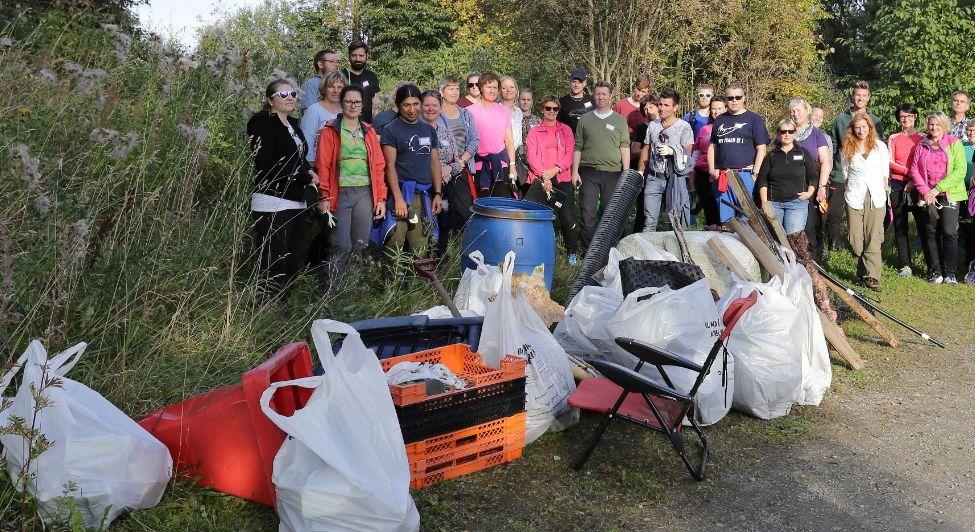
(513, 209)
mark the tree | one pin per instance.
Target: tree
(920, 52)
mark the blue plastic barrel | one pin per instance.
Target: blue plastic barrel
(500, 225)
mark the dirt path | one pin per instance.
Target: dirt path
(898, 454)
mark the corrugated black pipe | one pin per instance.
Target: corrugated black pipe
(610, 230)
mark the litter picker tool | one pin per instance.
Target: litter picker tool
(428, 268)
(869, 304)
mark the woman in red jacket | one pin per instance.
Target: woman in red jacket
(549, 148)
(352, 180)
(903, 197)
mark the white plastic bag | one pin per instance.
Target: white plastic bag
(418, 371)
(817, 373)
(511, 327)
(583, 332)
(685, 322)
(343, 466)
(477, 286)
(768, 360)
(112, 463)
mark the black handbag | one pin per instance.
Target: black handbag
(639, 273)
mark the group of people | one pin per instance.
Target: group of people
(411, 172)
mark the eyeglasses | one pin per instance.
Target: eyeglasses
(286, 94)
(471, 85)
(331, 60)
(352, 103)
(787, 132)
(704, 95)
(735, 98)
(550, 108)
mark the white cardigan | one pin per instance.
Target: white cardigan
(867, 174)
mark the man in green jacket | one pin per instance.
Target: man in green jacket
(602, 152)
(837, 186)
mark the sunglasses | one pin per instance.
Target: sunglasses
(286, 94)
(352, 103)
(787, 132)
(550, 108)
(704, 95)
(735, 98)
(471, 85)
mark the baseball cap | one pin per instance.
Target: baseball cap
(578, 73)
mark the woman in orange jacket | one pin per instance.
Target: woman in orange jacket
(352, 180)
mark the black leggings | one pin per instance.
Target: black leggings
(280, 237)
(705, 194)
(563, 203)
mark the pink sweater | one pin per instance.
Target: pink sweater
(548, 146)
(701, 148)
(901, 145)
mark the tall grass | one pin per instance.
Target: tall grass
(124, 218)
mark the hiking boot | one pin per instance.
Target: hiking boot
(905, 272)
(936, 279)
(950, 279)
(573, 259)
(872, 284)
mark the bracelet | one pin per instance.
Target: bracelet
(437, 193)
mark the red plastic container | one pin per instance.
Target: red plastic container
(223, 438)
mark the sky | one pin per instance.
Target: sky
(180, 18)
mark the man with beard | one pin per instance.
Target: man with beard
(358, 74)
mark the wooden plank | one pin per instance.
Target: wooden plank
(685, 251)
(834, 335)
(777, 228)
(724, 255)
(751, 210)
(863, 313)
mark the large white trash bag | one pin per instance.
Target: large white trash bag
(685, 322)
(512, 327)
(583, 331)
(343, 466)
(817, 373)
(112, 463)
(765, 345)
(477, 286)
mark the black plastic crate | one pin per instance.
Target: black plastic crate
(442, 415)
(402, 335)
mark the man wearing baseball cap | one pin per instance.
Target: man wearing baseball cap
(577, 102)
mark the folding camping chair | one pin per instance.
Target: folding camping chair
(648, 403)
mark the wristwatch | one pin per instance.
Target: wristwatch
(437, 193)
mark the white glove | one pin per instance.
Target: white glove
(331, 219)
(664, 151)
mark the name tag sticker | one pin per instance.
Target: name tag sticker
(611, 127)
(365, 84)
(424, 141)
(797, 157)
(587, 104)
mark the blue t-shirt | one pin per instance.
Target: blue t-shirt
(413, 143)
(697, 120)
(735, 138)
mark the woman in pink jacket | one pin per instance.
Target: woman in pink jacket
(548, 148)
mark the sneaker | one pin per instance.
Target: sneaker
(573, 259)
(872, 284)
(950, 279)
(970, 276)
(905, 272)
(936, 279)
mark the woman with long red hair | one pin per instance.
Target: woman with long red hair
(866, 164)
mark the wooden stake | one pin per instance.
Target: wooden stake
(724, 255)
(685, 251)
(751, 210)
(834, 335)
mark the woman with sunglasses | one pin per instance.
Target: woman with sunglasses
(938, 170)
(549, 149)
(326, 109)
(283, 181)
(788, 179)
(353, 180)
(865, 161)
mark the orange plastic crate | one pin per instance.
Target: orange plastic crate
(466, 364)
(440, 445)
(464, 463)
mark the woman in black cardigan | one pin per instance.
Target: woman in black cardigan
(284, 184)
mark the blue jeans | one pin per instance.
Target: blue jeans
(725, 212)
(792, 214)
(653, 198)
